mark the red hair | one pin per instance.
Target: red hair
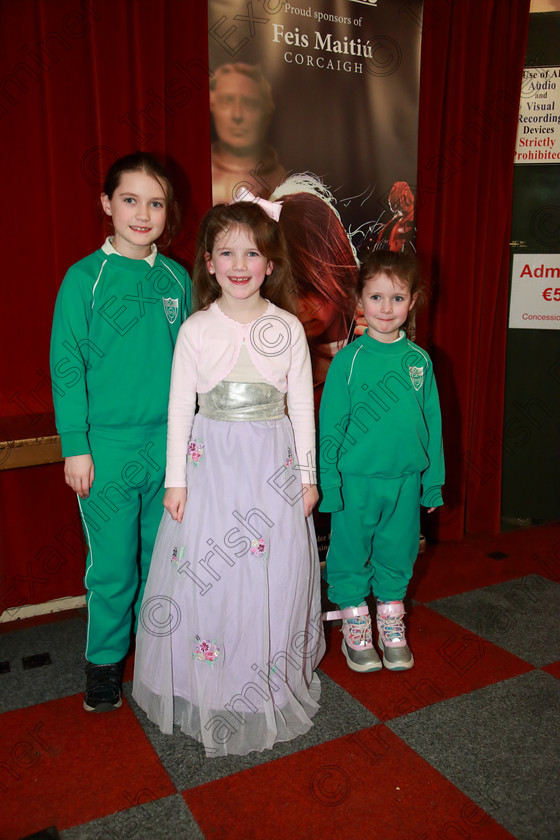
(322, 258)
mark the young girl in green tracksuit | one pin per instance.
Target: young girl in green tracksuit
(380, 458)
(116, 319)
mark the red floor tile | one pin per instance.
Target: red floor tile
(450, 568)
(60, 766)
(553, 668)
(449, 661)
(368, 785)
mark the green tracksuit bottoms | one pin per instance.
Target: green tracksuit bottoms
(121, 517)
(374, 540)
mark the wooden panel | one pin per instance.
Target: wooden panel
(30, 452)
(28, 441)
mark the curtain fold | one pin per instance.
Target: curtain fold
(471, 67)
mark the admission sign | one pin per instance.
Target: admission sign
(535, 292)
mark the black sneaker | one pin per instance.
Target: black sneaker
(103, 687)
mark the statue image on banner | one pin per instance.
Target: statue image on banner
(241, 105)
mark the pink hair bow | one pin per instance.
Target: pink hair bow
(271, 208)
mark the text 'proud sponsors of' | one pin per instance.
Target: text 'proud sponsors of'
(321, 49)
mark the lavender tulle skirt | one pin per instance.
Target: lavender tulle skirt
(230, 626)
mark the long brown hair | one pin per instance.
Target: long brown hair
(278, 287)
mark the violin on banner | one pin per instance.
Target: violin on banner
(400, 231)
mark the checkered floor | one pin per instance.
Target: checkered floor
(463, 746)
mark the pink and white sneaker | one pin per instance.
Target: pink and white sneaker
(357, 644)
(392, 636)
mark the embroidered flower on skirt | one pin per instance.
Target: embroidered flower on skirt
(259, 548)
(195, 452)
(176, 555)
(290, 458)
(206, 651)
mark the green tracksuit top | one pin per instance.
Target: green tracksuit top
(380, 417)
(115, 324)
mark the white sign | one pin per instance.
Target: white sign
(538, 132)
(535, 292)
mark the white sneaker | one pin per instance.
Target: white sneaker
(392, 636)
(357, 644)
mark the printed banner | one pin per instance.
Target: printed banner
(328, 88)
(337, 95)
(535, 292)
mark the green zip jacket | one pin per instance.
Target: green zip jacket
(115, 324)
(380, 417)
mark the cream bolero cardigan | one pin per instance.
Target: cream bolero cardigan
(207, 349)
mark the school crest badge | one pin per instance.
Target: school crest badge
(416, 376)
(171, 308)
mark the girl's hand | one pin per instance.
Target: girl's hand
(430, 510)
(310, 497)
(174, 501)
(79, 473)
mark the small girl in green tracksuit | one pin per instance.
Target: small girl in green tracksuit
(116, 319)
(380, 458)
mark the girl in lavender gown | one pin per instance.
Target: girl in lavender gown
(230, 628)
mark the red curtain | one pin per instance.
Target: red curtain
(472, 59)
(82, 82)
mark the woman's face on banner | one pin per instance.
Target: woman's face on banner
(318, 316)
(238, 110)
